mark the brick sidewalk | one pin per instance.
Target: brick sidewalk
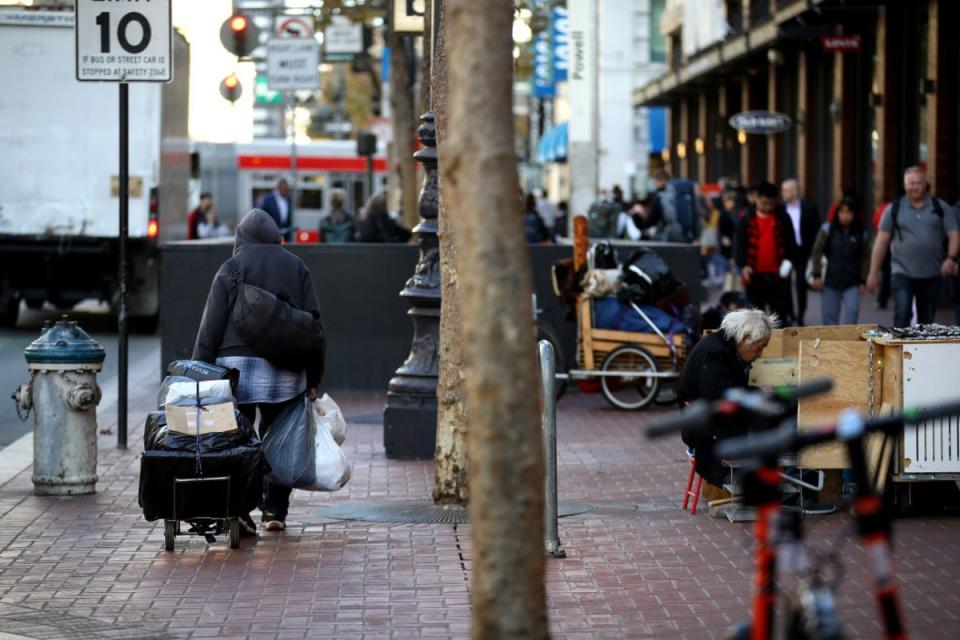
(636, 566)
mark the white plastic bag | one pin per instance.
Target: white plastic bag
(326, 411)
(185, 392)
(301, 451)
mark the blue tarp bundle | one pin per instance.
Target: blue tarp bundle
(610, 313)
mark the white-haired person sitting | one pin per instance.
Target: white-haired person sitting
(719, 362)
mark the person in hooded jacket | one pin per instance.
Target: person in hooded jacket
(259, 259)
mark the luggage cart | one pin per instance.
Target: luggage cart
(192, 498)
(630, 365)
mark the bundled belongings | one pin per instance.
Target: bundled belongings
(198, 433)
(598, 283)
(301, 450)
(610, 313)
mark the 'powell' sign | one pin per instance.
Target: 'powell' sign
(761, 122)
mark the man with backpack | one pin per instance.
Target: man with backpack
(925, 238)
(674, 209)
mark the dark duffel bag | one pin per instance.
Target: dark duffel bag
(276, 330)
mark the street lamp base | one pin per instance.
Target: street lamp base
(410, 427)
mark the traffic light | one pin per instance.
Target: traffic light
(230, 88)
(239, 35)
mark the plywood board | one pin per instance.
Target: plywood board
(846, 362)
(891, 374)
(774, 348)
(769, 372)
(793, 336)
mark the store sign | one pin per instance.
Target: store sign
(761, 122)
(841, 44)
(560, 40)
(543, 81)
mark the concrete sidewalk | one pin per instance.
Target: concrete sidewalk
(637, 566)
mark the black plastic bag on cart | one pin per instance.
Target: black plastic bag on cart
(647, 275)
(199, 371)
(160, 469)
(158, 437)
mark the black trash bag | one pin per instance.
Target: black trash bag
(275, 330)
(199, 371)
(289, 449)
(159, 470)
(605, 256)
(158, 437)
(648, 280)
(566, 286)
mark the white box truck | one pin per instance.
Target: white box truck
(59, 167)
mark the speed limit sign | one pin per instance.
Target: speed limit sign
(124, 41)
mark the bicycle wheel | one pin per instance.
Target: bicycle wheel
(546, 332)
(629, 392)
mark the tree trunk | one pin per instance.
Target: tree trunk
(451, 484)
(403, 168)
(479, 169)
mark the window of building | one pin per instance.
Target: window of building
(676, 50)
(658, 43)
(734, 10)
(759, 12)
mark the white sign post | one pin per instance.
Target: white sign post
(123, 42)
(293, 64)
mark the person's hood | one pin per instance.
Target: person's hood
(257, 227)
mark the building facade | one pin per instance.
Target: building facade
(871, 87)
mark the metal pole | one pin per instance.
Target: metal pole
(369, 178)
(294, 176)
(124, 231)
(548, 421)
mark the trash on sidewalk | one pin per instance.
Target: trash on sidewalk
(301, 450)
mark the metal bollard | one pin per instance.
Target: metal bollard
(548, 422)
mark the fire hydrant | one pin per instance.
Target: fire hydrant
(63, 394)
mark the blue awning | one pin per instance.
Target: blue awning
(658, 128)
(553, 144)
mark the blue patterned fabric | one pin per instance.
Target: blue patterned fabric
(260, 381)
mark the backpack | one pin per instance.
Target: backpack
(681, 220)
(895, 211)
(602, 218)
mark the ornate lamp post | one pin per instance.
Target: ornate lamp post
(410, 419)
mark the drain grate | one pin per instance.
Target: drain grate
(418, 512)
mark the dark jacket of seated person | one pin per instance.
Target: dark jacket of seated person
(718, 363)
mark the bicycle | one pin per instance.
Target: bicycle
(812, 613)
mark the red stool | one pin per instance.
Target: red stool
(687, 493)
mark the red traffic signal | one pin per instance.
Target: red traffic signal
(230, 88)
(239, 35)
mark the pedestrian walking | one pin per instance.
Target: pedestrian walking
(765, 251)
(845, 245)
(260, 260)
(338, 226)
(923, 236)
(547, 211)
(278, 205)
(199, 214)
(805, 221)
(376, 225)
(533, 226)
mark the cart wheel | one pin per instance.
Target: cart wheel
(667, 394)
(233, 526)
(169, 534)
(629, 393)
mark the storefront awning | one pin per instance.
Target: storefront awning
(553, 144)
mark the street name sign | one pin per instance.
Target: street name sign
(293, 64)
(761, 122)
(128, 41)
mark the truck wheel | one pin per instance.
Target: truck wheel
(9, 311)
